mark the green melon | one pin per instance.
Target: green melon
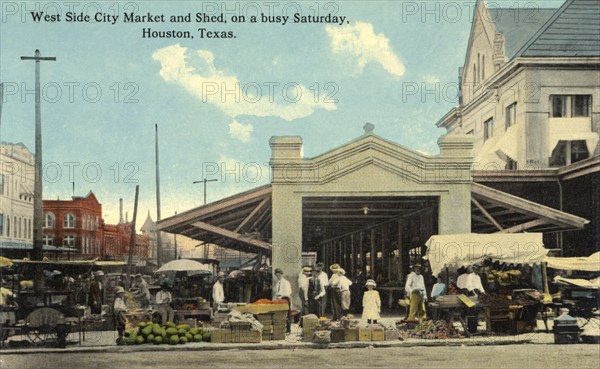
(183, 339)
(197, 338)
(170, 324)
(183, 326)
(189, 336)
(171, 332)
(147, 330)
(150, 338)
(142, 324)
(158, 340)
(173, 340)
(206, 336)
(193, 331)
(139, 340)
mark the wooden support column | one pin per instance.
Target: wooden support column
(352, 255)
(400, 252)
(384, 270)
(373, 253)
(363, 259)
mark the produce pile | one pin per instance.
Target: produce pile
(148, 332)
(269, 302)
(432, 329)
(495, 300)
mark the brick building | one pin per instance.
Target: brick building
(78, 223)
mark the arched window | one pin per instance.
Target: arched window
(69, 221)
(483, 67)
(474, 74)
(49, 220)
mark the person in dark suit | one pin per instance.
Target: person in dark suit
(96, 293)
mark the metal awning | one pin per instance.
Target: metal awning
(501, 212)
(240, 222)
(243, 221)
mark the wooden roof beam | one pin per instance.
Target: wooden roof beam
(523, 227)
(256, 212)
(486, 214)
(232, 235)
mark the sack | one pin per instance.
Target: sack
(404, 302)
(322, 336)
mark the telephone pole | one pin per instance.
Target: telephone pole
(204, 181)
(158, 240)
(38, 215)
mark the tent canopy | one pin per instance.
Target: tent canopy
(471, 248)
(588, 264)
(184, 265)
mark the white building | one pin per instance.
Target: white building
(530, 86)
(16, 197)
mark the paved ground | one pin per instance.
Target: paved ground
(527, 356)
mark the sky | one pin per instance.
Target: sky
(217, 101)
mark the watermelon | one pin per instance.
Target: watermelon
(170, 324)
(173, 340)
(198, 338)
(150, 338)
(139, 340)
(183, 326)
(158, 340)
(206, 336)
(147, 330)
(171, 332)
(189, 336)
(183, 339)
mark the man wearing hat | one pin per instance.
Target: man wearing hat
(163, 303)
(415, 289)
(315, 293)
(96, 293)
(335, 291)
(303, 288)
(283, 291)
(324, 279)
(143, 294)
(218, 293)
(120, 309)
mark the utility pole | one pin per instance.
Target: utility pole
(204, 181)
(175, 243)
(38, 215)
(132, 238)
(158, 240)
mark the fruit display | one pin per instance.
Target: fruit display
(168, 333)
(269, 302)
(432, 329)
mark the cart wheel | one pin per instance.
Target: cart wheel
(42, 334)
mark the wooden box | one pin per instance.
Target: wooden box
(227, 336)
(377, 335)
(250, 337)
(338, 335)
(262, 309)
(364, 334)
(216, 336)
(351, 334)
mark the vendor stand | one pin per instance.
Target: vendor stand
(510, 308)
(191, 283)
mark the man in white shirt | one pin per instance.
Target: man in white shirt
(344, 285)
(415, 289)
(119, 310)
(163, 304)
(473, 283)
(324, 280)
(315, 293)
(303, 288)
(143, 293)
(218, 294)
(283, 291)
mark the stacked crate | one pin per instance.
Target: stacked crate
(274, 325)
(309, 325)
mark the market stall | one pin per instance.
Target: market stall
(190, 283)
(511, 269)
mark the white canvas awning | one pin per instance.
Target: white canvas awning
(507, 146)
(458, 250)
(589, 263)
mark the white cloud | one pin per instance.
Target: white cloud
(431, 79)
(199, 76)
(240, 131)
(366, 46)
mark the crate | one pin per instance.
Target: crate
(227, 336)
(351, 334)
(377, 335)
(566, 338)
(338, 335)
(250, 337)
(262, 309)
(308, 335)
(216, 336)
(364, 334)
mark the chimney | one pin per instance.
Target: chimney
(121, 211)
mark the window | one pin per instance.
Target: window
(8, 226)
(488, 129)
(15, 227)
(474, 74)
(483, 67)
(1, 224)
(511, 164)
(581, 105)
(49, 220)
(2, 181)
(568, 152)
(48, 240)
(566, 106)
(69, 221)
(69, 241)
(30, 230)
(511, 115)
